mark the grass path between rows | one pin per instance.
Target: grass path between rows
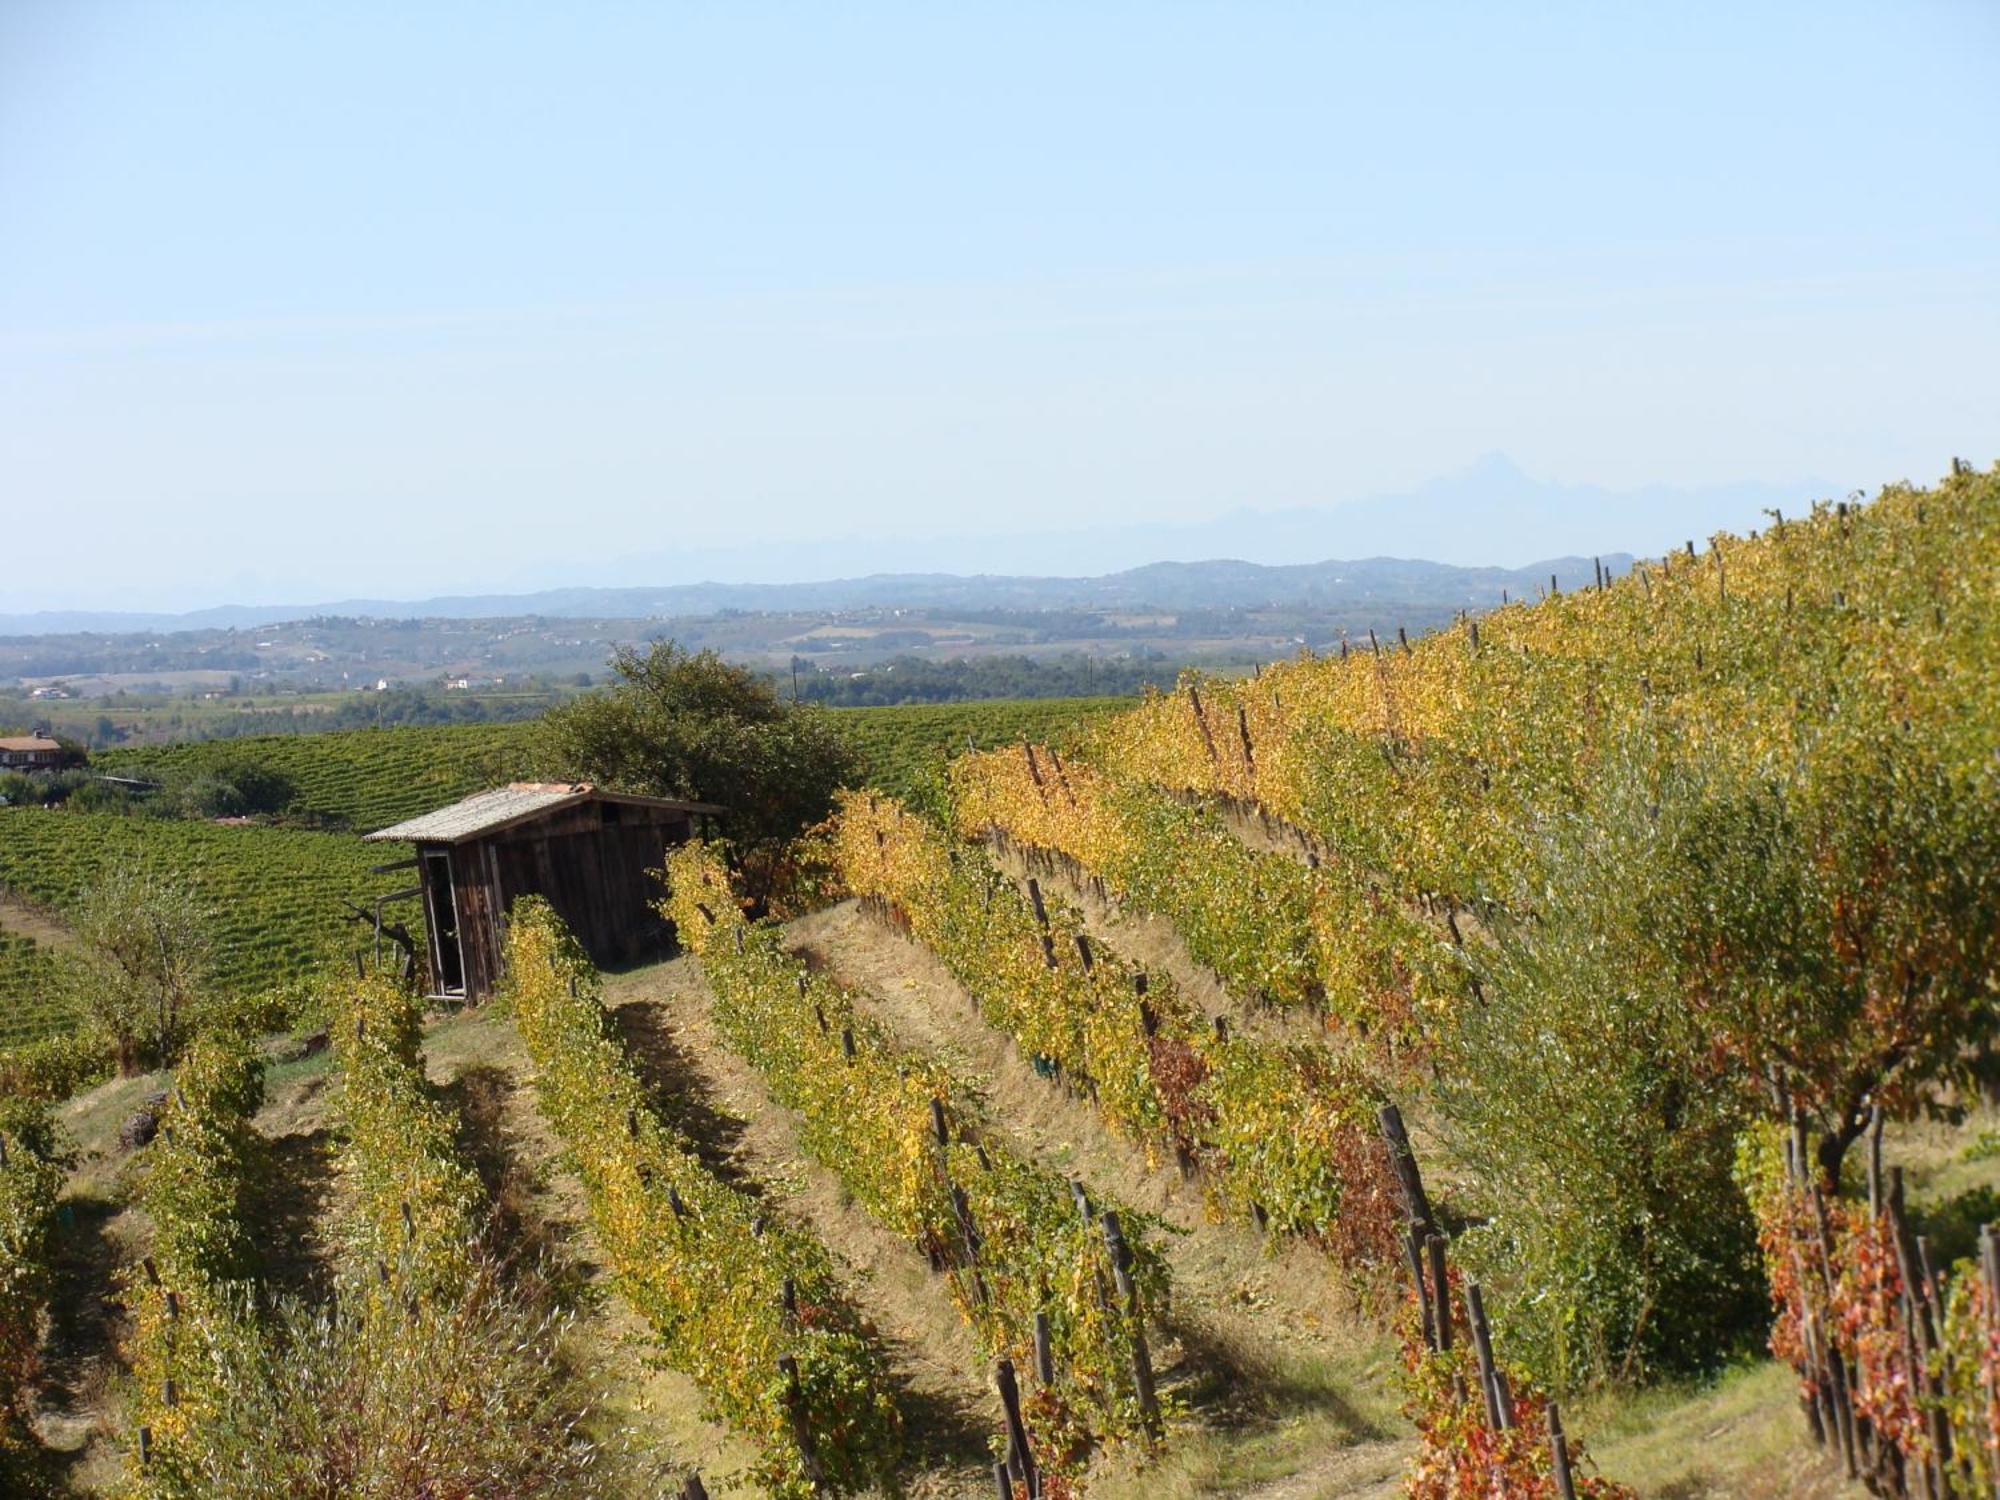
(1287, 1383)
(1740, 1437)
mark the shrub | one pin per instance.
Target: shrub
(1598, 1137)
(374, 1399)
(33, 1167)
(688, 724)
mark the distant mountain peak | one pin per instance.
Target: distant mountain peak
(1492, 468)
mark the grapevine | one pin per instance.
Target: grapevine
(906, 1142)
(699, 1260)
(1281, 1134)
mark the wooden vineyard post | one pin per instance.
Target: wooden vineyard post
(1128, 1292)
(1034, 770)
(968, 1234)
(1020, 1457)
(802, 1433)
(1045, 1356)
(1922, 1320)
(1989, 1266)
(1482, 1347)
(1836, 1364)
(1434, 1244)
(1413, 1248)
(1416, 1203)
(1875, 1162)
(1559, 1455)
(692, 1488)
(1003, 1483)
(1201, 722)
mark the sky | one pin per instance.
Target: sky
(307, 302)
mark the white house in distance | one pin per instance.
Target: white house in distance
(29, 752)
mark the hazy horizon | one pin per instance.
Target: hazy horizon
(398, 302)
(1431, 523)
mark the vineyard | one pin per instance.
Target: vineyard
(1026, 1254)
(27, 979)
(1765, 773)
(1356, 1079)
(359, 779)
(278, 895)
(364, 779)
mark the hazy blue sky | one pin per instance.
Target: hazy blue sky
(317, 300)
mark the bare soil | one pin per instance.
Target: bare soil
(23, 918)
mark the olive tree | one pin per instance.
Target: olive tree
(141, 957)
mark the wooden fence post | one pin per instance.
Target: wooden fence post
(1416, 1203)
(1559, 1455)
(1482, 1345)
(1020, 1457)
(1128, 1291)
(1435, 1245)
(1413, 1249)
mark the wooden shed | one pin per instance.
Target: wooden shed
(587, 852)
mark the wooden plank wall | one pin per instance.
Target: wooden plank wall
(592, 869)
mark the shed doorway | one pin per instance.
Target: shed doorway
(441, 916)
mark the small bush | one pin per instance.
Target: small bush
(369, 1400)
(1600, 1138)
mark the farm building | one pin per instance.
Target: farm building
(586, 851)
(29, 752)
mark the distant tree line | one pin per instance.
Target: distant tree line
(912, 679)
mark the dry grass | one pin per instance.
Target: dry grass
(24, 919)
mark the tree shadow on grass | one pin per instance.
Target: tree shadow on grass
(940, 1429)
(680, 1092)
(1239, 1388)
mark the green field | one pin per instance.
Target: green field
(28, 1007)
(362, 779)
(369, 778)
(276, 892)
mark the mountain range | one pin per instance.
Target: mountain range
(1248, 557)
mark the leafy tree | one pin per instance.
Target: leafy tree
(228, 786)
(1840, 928)
(143, 951)
(1598, 1133)
(688, 724)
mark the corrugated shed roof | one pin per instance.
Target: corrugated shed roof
(28, 742)
(489, 812)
